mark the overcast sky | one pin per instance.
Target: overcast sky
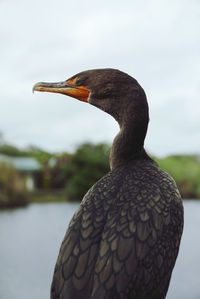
(155, 41)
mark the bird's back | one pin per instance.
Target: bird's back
(124, 239)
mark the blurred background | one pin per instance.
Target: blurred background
(53, 148)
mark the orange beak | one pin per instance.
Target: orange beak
(68, 88)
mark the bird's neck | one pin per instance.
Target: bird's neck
(128, 144)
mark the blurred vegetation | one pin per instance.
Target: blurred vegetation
(186, 172)
(12, 188)
(32, 151)
(86, 166)
(65, 176)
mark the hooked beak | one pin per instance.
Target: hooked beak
(68, 87)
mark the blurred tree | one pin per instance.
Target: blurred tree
(40, 155)
(186, 172)
(1, 138)
(12, 187)
(88, 164)
(58, 171)
(11, 150)
(52, 173)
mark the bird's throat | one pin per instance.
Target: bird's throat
(128, 144)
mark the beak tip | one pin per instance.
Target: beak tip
(36, 87)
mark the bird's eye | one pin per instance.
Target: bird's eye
(78, 82)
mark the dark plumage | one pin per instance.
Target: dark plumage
(124, 239)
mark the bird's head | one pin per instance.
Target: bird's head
(108, 89)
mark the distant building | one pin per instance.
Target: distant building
(27, 166)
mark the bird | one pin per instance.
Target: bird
(123, 241)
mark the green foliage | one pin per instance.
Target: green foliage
(186, 172)
(13, 151)
(12, 188)
(32, 151)
(87, 165)
(40, 155)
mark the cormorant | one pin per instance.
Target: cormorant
(123, 240)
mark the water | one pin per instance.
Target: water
(30, 239)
